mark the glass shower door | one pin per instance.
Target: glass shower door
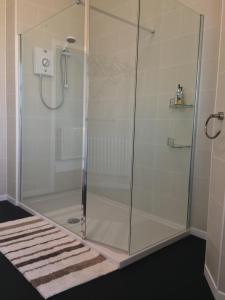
(112, 72)
(52, 117)
(165, 104)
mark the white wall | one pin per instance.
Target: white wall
(11, 97)
(3, 131)
(215, 259)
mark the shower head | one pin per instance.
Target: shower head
(69, 40)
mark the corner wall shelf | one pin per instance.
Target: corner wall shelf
(172, 104)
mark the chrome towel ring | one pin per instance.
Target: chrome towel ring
(219, 116)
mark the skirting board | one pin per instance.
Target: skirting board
(218, 295)
(3, 197)
(9, 198)
(199, 233)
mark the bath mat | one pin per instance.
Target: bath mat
(50, 259)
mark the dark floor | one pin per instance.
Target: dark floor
(176, 272)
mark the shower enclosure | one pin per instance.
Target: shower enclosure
(108, 116)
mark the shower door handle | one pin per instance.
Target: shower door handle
(219, 116)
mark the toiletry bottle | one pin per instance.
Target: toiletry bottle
(180, 95)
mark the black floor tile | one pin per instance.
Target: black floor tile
(175, 272)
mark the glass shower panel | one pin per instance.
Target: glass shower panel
(112, 71)
(52, 117)
(165, 100)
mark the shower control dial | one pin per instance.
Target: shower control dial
(45, 62)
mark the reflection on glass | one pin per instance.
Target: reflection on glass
(142, 160)
(167, 68)
(110, 120)
(52, 117)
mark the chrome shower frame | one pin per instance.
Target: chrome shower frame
(195, 121)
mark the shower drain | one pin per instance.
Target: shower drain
(73, 220)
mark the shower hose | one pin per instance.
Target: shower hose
(63, 71)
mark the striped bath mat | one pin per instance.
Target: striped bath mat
(51, 260)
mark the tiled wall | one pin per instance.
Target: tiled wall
(21, 16)
(166, 58)
(3, 148)
(211, 10)
(111, 94)
(215, 259)
(49, 136)
(33, 12)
